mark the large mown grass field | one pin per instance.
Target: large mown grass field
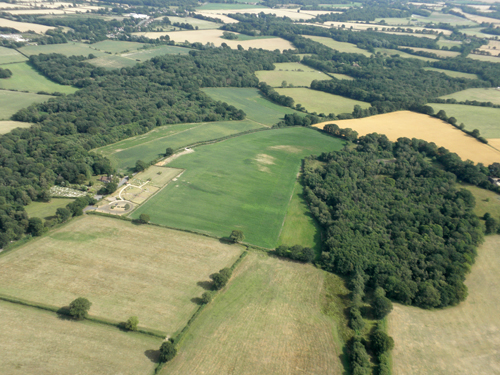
(458, 340)
(13, 101)
(146, 54)
(296, 74)
(153, 144)
(322, 102)
(242, 183)
(256, 107)
(122, 268)
(481, 95)
(339, 46)
(452, 73)
(67, 49)
(267, 320)
(414, 125)
(9, 55)
(484, 119)
(36, 342)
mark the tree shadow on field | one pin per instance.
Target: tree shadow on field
(197, 300)
(226, 241)
(207, 285)
(63, 313)
(153, 355)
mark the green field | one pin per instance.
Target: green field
(7, 126)
(437, 17)
(486, 201)
(36, 342)
(452, 73)
(493, 59)
(392, 52)
(482, 118)
(322, 102)
(116, 46)
(146, 54)
(122, 268)
(339, 46)
(13, 101)
(225, 6)
(296, 74)
(342, 76)
(67, 49)
(300, 227)
(112, 62)
(25, 78)
(268, 320)
(448, 43)
(195, 22)
(46, 210)
(10, 55)
(252, 103)
(481, 95)
(243, 183)
(153, 144)
(439, 52)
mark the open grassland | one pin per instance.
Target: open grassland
(494, 59)
(448, 43)
(322, 102)
(438, 52)
(195, 22)
(153, 144)
(13, 101)
(122, 268)
(112, 62)
(486, 201)
(36, 342)
(484, 119)
(116, 46)
(415, 125)
(437, 17)
(146, 54)
(24, 26)
(478, 19)
(300, 227)
(476, 31)
(481, 95)
(392, 52)
(459, 340)
(7, 126)
(46, 210)
(67, 49)
(268, 320)
(9, 55)
(251, 101)
(225, 6)
(339, 46)
(296, 74)
(25, 78)
(242, 183)
(452, 73)
(218, 15)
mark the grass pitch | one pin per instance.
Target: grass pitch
(9, 55)
(296, 74)
(25, 78)
(268, 320)
(459, 340)
(76, 348)
(339, 46)
(256, 107)
(322, 102)
(122, 268)
(13, 101)
(153, 144)
(454, 74)
(242, 183)
(46, 210)
(481, 95)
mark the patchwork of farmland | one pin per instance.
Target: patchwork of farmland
(242, 183)
(295, 74)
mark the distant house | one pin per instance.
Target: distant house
(494, 181)
(105, 179)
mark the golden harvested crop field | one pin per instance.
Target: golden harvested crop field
(37, 342)
(24, 26)
(459, 340)
(7, 126)
(215, 37)
(267, 320)
(415, 125)
(122, 268)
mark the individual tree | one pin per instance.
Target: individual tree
(169, 151)
(491, 225)
(308, 255)
(206, 297)
(167, 351)
(140, 165)
(131, 323)
(35, 226)
(111, 187)
(237, 236)
(381, 304)
(144, 218)
(79, 308)
(63, 214)
(381, 342)
(221, 278)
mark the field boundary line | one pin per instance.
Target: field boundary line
(15, 49)
(287, 207)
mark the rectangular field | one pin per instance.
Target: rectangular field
(404, 55)
(459, 340)
(25, 78)
(251, 101)
(322, 102)
(296, 74)
(112, 62)
(415, 125)
(10, 55)
(484, 119)
(13, 101)
(153, 144)
(116, 46)
(67, 49)
(339, 46)
(452, 73)
(46, 210)
(76, 348)
(122, 268)
(481, 95)
(486, 201)
(24, 26)
(146, 54)
(7, 126)
(195, 22)
(157, 176)
(242, 183)
(438, 52)
(268, 320)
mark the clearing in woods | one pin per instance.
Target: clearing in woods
(251, 101)
(339, 46)
(25, 78)
(438, 52)
(458, 340)
(76, 348)
(322, 102)
(149, 53)
(112, 62)
(295, 74)
(486, 201)
(267, 320)
(242, 183)
(46, 210)
(122, 268)
(10, 55)
(404, 55)
(13, 101)
(452, 73)
(415, 125)
(67, 49)
(481, 95)
(485, 119)
(7, 126)
(150, 146)
(116, 46)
